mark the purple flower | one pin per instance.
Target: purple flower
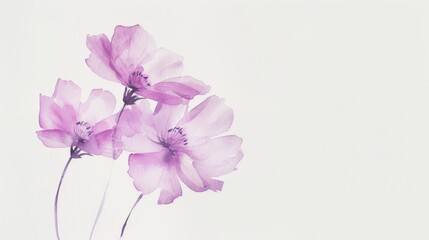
(175, 144)
(69, 123)
(131, 59)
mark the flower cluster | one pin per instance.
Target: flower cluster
(167, 141)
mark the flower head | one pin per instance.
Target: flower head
(175, 144)
(132, 59)
(67, 122)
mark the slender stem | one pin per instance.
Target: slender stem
(103, 199)
(119, 118)
(100, 208)
(129, 214)
(116, 129)
(58, 192)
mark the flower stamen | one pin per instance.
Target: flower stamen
(83, 131)
(138, 79)
(174, 139)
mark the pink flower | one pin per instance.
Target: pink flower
(131, 59)
(69, 123)
(175, 144)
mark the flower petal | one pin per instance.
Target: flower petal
(130, 45)
(52, 116)
(140, 143)
(170, 187)
(167, 97)
(162, 64)
(99, 59)
(100, 105)
(55, 138)
(105, 124)
(109, 123)
(209, 118)
(224, 155)
(147, 170)
(198, 148)
(189, 175)
(167, 117)
(137, 119)
(102, 144)
(67, 93)
(214, 184)
(185, 87)
(136, 129)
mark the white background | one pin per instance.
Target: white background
(330, 97)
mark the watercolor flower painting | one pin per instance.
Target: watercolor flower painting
(175, 144)
(167, 145)
(86, 128)
(132, 59)
(67, 122)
